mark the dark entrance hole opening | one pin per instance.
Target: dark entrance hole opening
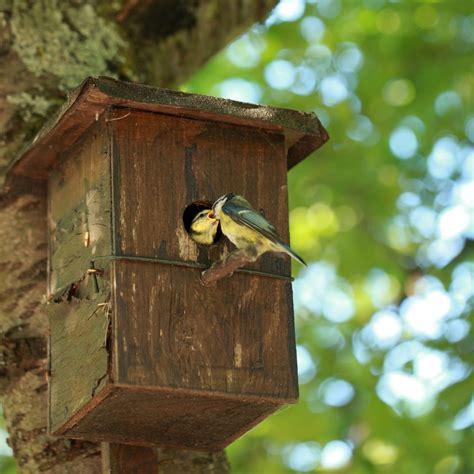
(192, 210)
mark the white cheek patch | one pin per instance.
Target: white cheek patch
(218, 209)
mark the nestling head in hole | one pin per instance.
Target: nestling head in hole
(203, 227)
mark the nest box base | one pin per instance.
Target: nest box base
(166, 417)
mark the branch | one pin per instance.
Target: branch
(226, 267)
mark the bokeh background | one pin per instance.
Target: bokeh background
(384, 213)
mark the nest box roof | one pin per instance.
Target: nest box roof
(303, 131)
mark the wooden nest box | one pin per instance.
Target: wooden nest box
(140, 352)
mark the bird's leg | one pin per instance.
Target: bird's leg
(226, 266)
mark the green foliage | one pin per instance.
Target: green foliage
(385, 213)
(7, 463)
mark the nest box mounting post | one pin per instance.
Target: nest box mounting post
(140, 352)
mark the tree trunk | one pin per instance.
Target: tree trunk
(48, 47)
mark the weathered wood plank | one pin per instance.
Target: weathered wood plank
(163, 163)
(194, 419)
(170, 331)
(79, 208)
(78, 354)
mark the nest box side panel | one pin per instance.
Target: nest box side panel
(80, 208)
(162, 163)
(78, 356)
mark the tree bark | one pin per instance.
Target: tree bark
(118, 459)
(48, 47)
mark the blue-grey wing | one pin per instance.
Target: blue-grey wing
(241, 212)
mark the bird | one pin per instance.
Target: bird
(247, 229)
(203, 228)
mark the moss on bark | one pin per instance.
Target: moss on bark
(65, 41)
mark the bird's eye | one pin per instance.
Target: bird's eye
(211, 215)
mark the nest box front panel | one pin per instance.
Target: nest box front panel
(174, 333)
(170, 330)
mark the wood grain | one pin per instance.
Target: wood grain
(170, 331)
(78, 356)
(169, 418)
(79, 208)
(162, 163)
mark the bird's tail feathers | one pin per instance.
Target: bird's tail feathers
(293, 254)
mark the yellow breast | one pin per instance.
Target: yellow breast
(242, 236)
